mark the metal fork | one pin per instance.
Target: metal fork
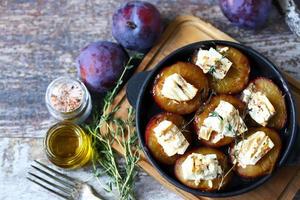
(61, 184)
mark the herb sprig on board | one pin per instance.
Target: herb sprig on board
(108, 131)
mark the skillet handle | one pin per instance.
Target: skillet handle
(134, 86)
(294, 157)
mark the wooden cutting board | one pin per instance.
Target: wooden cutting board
(182, 31)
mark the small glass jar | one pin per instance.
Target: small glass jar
(68, 99)
(67, 145)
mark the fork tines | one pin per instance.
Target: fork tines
(52, 180)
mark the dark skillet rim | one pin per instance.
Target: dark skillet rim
(289, 100)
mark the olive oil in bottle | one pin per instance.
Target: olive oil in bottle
(67, 145)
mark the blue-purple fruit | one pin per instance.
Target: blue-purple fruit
(137, 25)
(246, 13)
(100, 64)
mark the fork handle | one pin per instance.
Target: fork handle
(90, 196)
(93, 197)
(89, 193)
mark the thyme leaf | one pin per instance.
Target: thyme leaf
(107, 130)
(215, 114)
(203, 95)
(235, 155)
(229, 128)
(212, 69)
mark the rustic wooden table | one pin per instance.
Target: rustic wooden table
(39, 41)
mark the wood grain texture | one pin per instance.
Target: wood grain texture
(39, 40)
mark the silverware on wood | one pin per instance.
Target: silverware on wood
(60, 184)
(292, 15)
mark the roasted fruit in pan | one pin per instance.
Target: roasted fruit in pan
(221, 121)
(204, 168)
(180, 88)
(167, 137)
(265, 103)
(227, 68)
(257, 154)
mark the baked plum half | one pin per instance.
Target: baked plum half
(209, 108)
(265, 164)
(192, 75)
(236, 78)
(275, 97)
(205, 185)
(151, 140)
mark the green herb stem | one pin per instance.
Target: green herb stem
(105, 130)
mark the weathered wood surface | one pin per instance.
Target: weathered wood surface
(39, 41)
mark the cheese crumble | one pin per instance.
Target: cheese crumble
(252, 149)
(225, 120)
(170, 138)
(177, 88)
(197, 167)
(259, 106)
(213, 62)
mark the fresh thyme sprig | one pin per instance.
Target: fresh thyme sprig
(215, 114)
(203, 95)
(106, 130)
(212, 69)
(235, 157)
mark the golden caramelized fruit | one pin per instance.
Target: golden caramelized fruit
(183, 88)
(275, 96)
(267, 163)
(204, 184)
(151, 141)
(193, 75)
(210, 107)
(236, 78)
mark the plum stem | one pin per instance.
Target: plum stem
(131, 24)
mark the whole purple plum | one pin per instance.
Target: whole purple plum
(137, 25)
(100, 64)
(246, 13)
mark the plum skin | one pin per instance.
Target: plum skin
(100, 64)
(246, 13)
(137, 25)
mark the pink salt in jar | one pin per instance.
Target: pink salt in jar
(68, 99)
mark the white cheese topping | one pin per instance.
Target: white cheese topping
(177, 88)
(170, 138)
(252, 149)
(259, 107)
(197, 167)
(211, 61)
(225, 120)
(223, 49)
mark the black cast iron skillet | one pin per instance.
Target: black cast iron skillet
(139, 96)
